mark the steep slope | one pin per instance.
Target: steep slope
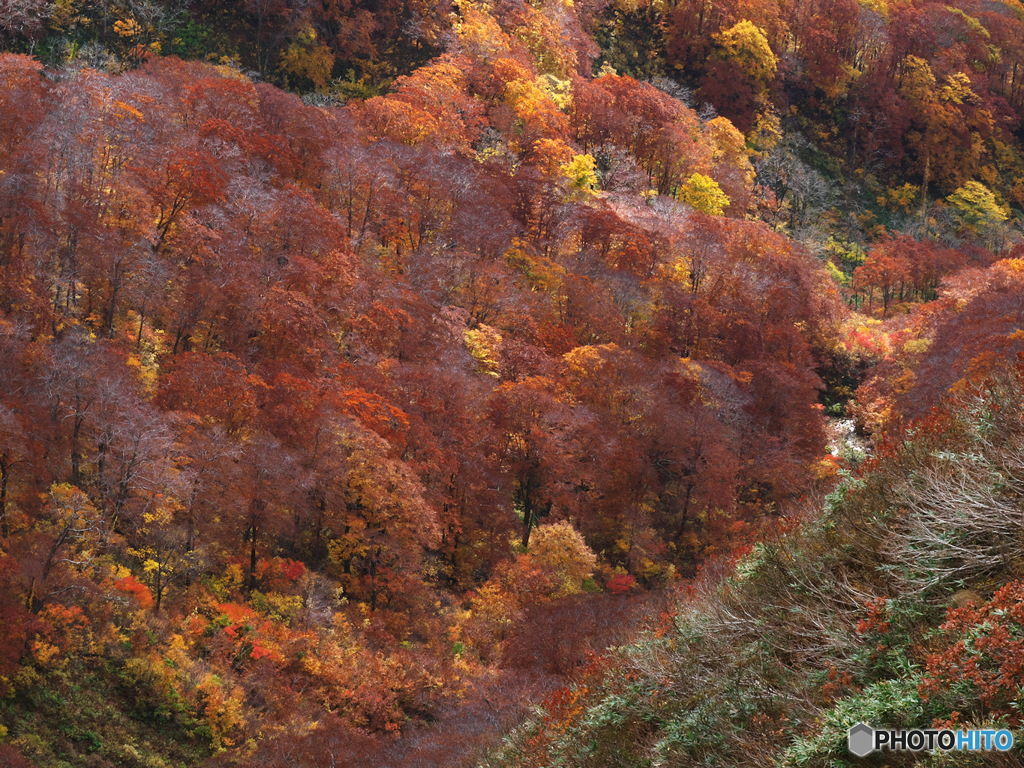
(897, 602)
(315, 412)
(306, 410)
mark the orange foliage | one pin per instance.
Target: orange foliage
(139, 592)
(984, 652)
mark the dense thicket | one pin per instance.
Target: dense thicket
(898, 604)
(281, 383)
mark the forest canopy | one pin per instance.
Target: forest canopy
(345, 348)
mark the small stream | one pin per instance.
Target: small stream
(844, 442)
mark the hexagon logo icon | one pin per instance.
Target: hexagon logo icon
(860, 739)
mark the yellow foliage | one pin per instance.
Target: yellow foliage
(836, 274)
(1016, 7)
(544, 37)
(484, 344)
(493, 604)
(163, 511)
(730, 148)
(478, 32)
(703, 194)
(68, 500)
(581, 172)
(73, 516)
(222, 711)
(561, 547)
(559, 91)
(916, 346)
(766, 133)
(230, 581)
(544, 274)
(130, 110)
(306, 59)
(230, 68)
(127, 27)
(881, 7)
(747, 45)
(901, 198)
(44, 653)
(977, 207)
(729, 143)
(825, 469)
(918, 82)
(536, 108)
(64, 16)
(957, 90)
(551, 155)
(660, 572)
(972, 23)
(283, 608)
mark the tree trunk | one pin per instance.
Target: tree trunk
(5, 474)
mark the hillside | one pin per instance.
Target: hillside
(365, 368)
(897, 603)
(288, 391)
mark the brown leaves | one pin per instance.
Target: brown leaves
(218, 389)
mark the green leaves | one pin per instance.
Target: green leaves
(892, 703)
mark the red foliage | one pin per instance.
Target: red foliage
(139, 592)
(15, 622)
(875, 623)
(346, 352)
(985, 652)
(217, 388)
(620, 584)
(11, 758)
(558, 637)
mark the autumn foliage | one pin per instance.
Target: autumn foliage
(324, 415)
(984, 656)
(281, 384)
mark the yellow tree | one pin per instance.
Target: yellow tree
(737, 77)
(164, 550)
(746, 45)
(977, 207)
(561, 548)
(581, 172)
(703, 194)
(308, 59)
(73, 530)
(979, 213)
